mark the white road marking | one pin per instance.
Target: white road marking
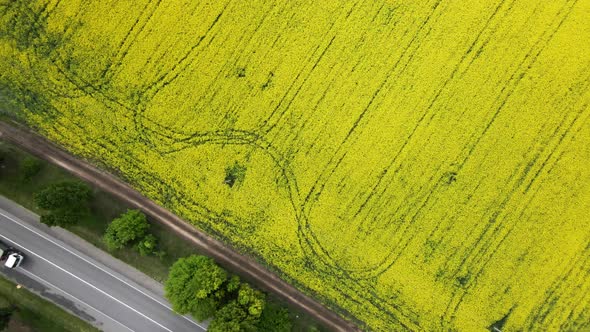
(34, 276)
(96, 266)
(87, 283)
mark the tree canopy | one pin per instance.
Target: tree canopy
(61, 217)
(71, 195)
(274, 318)
(129, 227)
(29, 168)
(147, 245)
(251, 299)
(233, 318)
(192, 286)
(66, 202)
(198, 286)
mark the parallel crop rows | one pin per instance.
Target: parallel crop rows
(418, 166)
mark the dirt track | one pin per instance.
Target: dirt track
(236, 262)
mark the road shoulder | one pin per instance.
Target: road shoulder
(99, 257)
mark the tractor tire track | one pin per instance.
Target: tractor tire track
(210, 246)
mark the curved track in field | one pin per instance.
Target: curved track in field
(351, 284)
(239, 263)
(155, 135)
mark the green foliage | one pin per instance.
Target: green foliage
(67, 202)
(129, 227)
(229, 290)
(192, 286)
(5, 315)
(329, 205)
(274, 318)
(30, 167)
(233, 284)
(62, 218)
(232, 318)
(161, 254)
(71, 195)
(251, 299)
(198, 286)
(235, 174)
(243, 310)
(148, 245)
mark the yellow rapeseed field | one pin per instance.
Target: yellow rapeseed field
(414, 165)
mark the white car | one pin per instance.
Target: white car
(13, 260)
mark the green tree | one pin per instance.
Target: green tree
(129, 227)
(243, 310)
(233, 284)
(251, 299)
(193, 284)
(229, 290)
(232, 318)
(62, 218)
(5, 315)
(67, 203)
(70, 195)
(147, 245)
(274, 318)
(29, 168)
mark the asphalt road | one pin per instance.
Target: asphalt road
(237, 263)
(82, 285)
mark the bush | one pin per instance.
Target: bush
(70, 195)
(234, 174)
(62, 218)
(67, 202)
(148, 245)
(29, 168)
(129, 227)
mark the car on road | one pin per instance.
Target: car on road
(11, 257)
(14, 260)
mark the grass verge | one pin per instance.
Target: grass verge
(34, 313)
(103, 209)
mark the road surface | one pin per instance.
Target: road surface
(227, 257)
(82, 285)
